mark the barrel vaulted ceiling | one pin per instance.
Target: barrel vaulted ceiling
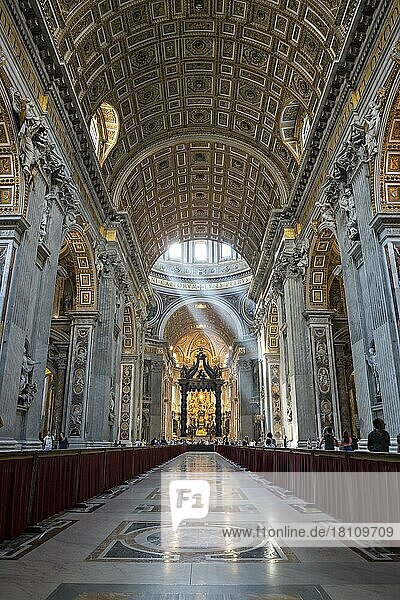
(206, 321)
(202, 89)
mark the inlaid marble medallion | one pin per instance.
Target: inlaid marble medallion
(199, 542)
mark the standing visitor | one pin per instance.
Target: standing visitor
(347, 442)
(48, 440)
(63, 443)
(379, 439)
(270, 440)
(328, 440)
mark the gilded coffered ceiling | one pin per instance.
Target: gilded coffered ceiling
(200, 319)
(202, 89)
(200, 189)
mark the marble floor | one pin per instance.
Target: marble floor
(120, 546)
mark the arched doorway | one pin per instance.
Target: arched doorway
(66, 369)
(336, 403)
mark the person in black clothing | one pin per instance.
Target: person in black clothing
(379, 439)
(328, 440)
(270, 440)
(63, 442)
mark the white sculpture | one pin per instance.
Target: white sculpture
(370, 357)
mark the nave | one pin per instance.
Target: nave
(118, 550)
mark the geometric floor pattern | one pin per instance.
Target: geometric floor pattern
(118, 550)
(145, 592)
(132, 541)
(25, 543)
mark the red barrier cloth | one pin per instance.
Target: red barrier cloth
(15, 482)
(128, 466)
(55, 484)
(60, 479)
(91, 475)
(113, 469)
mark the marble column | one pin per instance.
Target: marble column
(138, 386)
(15, 280)
(101, 399)
(283, 370)
(47, 256)
(351, 258)
(265, 405)
(381, 327)
(184, 394)
(245, 393)
(299, 362)
(156, 383)
(218, 413)
(59, 392)
(27, 314)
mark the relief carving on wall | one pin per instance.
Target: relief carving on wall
(79, 377)
(324, 391)
(127, 376)
(277, 417)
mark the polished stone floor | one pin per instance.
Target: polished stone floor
(115, 548)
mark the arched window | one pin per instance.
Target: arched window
(104, 129)
(295, 127)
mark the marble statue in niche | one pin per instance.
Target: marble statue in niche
(44, 220)
(327, 216)
(346, 203)
(27, 387)
(370, 357)
(32, 134)
(3, 254)
(111, 411)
